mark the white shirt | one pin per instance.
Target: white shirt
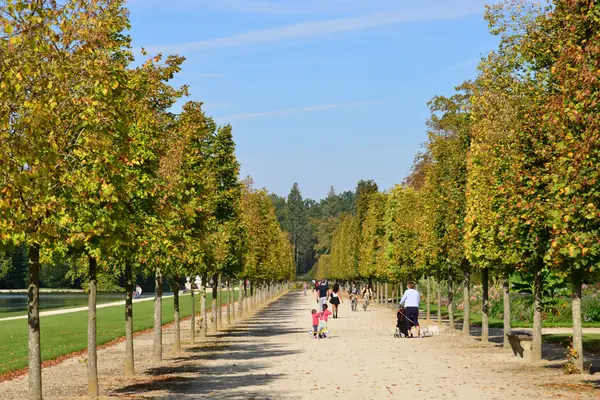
(411, 298)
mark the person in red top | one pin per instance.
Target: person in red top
(323, 323)
(315, 321)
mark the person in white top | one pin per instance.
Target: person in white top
(411, 299)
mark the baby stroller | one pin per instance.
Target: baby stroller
(401, 324)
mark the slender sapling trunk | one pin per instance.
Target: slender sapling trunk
(485, 306)
(428, 299)
(450, 303)
(92, 360)
(33, 322)
(466, 329)
(176, 322)
(576, 276)
(538, 309)
(193, 316)
(506, 301)
(214, 304)
(129, 358)
(157, 345)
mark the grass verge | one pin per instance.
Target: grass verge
(67, 333)
(498, 323)
(591, 341)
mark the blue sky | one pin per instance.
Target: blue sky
(319, 92)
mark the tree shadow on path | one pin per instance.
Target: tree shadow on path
(230, 365)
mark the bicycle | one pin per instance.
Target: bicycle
(354, 302)
(366, 302)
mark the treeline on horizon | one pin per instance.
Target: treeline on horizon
(508, 182)
(311, 224)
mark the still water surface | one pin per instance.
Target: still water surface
(12, 304)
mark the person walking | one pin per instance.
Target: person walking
(322, 293)
(354, 297)
(138, 292)
(335, 299)
(366, 293)
(304, 287)
(411, 299)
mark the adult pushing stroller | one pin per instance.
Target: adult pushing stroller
(401, 323)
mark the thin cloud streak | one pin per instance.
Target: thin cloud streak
(299, 110)
(318, 28)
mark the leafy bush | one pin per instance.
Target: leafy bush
(590, 309)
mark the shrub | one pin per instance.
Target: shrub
(590, 309)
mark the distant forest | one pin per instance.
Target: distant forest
(311, 224)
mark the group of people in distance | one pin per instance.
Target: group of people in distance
(408, 308)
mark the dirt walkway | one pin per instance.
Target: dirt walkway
(271, 355)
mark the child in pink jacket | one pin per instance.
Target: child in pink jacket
(315, 322)
(323, 321)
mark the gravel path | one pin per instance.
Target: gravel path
(270, 355)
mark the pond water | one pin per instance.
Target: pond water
(12, 304)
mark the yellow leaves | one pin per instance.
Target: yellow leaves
(18, 76)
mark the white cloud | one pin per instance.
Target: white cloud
(318, 28)
(300, 110)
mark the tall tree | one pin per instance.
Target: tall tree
(299, 229)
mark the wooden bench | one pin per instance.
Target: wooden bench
(521, 343)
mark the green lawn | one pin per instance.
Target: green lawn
(591, 341)
(498, 323)
(67, 333)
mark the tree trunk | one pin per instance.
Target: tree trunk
(219, 305)
(92, 360)
(232, 294)
(386, 295)
(176, 323)
(507, 323)
(428, 299)
(466, 329)
(33, 322)
(193, 316)
(241, 298)
(203, 314)
(538, 309)
(576, 277)
(439, 300)
(129, 358)
(485, 306)
(450, 303)
(157, 345)
(214, 304)
(228, 290)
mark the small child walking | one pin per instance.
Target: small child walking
(315, 322)
(323, 321)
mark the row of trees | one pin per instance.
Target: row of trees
(508, 179)
(97, 169)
